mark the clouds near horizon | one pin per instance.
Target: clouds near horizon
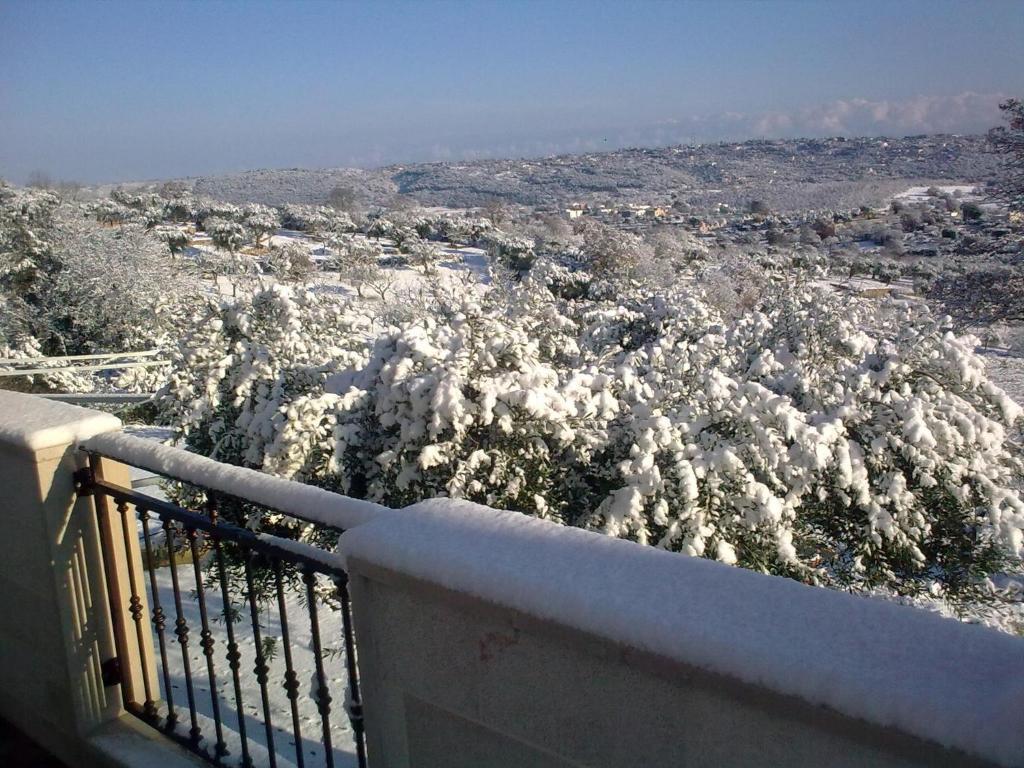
(963, 113)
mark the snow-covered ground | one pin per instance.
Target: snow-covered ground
(965, 192)
(303, 661)
(868, 286)
(1006, 370)
(458, 266)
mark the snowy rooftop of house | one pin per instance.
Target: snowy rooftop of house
(959, 685)
(35, 423)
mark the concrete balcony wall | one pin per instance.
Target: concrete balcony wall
(54, 635)
(56, 624)
(449, 680)
(490, 639)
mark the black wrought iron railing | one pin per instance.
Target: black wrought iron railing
(272, 609)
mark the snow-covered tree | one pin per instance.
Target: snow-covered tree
(422, 253)
(677, 247)
(1008, 140)
(116, 290)
(26, 230)
(261, 221)
(176, 238)
(357, 260)
(610, 253)
(111, 212)
(70, 286)
(225, 233)
(179, 208)
(315, 219)
(291, 261)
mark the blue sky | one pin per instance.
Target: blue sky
(106, 91)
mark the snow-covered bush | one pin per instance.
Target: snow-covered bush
(290, 261)
(176, 238)
(822, 450)
(21, 346)
(837, 440)
(248, 381)
(225, 233)
(513, 253)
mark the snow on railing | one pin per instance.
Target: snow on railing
(304, 502)
(70, 358)
(74, 363)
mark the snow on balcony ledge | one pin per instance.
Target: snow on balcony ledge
(959, 685)
(35, 423)
(305, 502)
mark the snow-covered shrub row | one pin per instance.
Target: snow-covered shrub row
(832, 439)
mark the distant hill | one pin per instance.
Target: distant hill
(788, 174)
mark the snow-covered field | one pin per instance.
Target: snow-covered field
(965, 192)
(458, 267)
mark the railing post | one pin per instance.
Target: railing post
(126, 590)
(55, 634)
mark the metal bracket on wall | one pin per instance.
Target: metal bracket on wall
(84, 481)
(110, 671)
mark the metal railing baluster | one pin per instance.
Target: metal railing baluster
(149, 708)
(234, 657)
(291, 683)
(181, 630)
(159, 619)
(354, 705)
(323, 695)
(207, 643)
(261, 668)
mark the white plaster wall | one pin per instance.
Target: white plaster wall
(451, 681)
